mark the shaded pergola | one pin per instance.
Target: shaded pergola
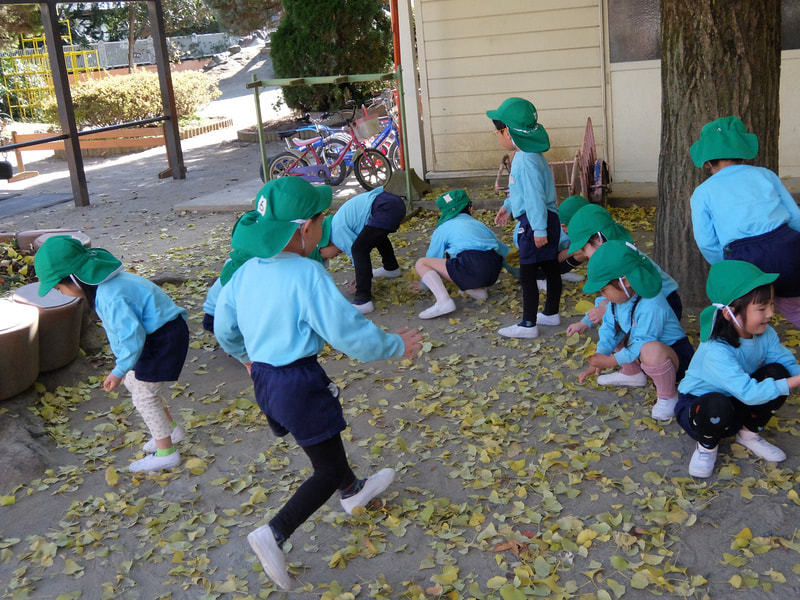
(66, 112)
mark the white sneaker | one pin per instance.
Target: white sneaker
(373, 486)
(438, 309)
(542, 319)
(571, 277)
(176, 436)
(381, 272)
(664, 408)
(478, 293)
(152, 462)
(761, 448)
(365, 307)
(518, 331)
(620, 378)
(542, 283)
(703, 462)
(270, 555)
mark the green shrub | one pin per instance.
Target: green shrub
(115, 100)
(331, 37)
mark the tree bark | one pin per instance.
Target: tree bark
(717, 59)
(131, 37)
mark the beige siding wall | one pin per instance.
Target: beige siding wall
(473, 55)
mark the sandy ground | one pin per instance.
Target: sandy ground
(513, 480)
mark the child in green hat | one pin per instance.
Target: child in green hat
(741, 374)
(590, 227)
(639, 325)
(275, 314)
(532, 201)
(474, 255)
(146, 330)
(744, 212)
(359, 226)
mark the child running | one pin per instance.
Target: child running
(639, 324)
(274, 314)
(146, 330)
(532, 201)
(743, 212)
(474, 255)
(362, 224)
(741, 374)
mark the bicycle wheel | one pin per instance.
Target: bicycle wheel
(279, 165)
(394, 155)
(333, 148)
(372, 169)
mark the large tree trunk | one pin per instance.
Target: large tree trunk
(131, 37)
(717, 59)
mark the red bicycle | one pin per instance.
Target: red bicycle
(324, 163)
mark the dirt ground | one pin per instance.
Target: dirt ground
(513, 480)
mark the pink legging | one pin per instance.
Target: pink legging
(790, 309)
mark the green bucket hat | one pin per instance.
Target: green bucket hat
(592, 219)
(568, 208)
(724, 138)
(451, 203)
(281, 206)
(61, 256)
(616, 259)
(727, 281)
(522, 120)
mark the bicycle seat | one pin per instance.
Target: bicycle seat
(285, 134)
(303, 143)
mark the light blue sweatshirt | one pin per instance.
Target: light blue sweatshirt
(738, 202)
(463, 232)
(210, 305)
(132, 307)
(531, 190)
(350, 218)
(654, 322)
(719, 367)
(281, 309)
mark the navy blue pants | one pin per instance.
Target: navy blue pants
(777, 251)
(473, 269)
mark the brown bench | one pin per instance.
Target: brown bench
(128, 137)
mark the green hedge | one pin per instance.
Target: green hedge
(121, 99)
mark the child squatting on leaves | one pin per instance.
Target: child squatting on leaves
(275, 313)
(146, 330)
(743, 212)
(741, 374)
(532, 201)
(639, 324)
(474, 255)
(590, 227)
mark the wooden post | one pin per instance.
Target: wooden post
(66, 115)
(172, 135)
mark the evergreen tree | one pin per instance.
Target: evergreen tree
(241, 17)
(330, 37)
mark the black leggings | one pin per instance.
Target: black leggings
(332, 472)
(530, 289)
(714, 416)
(369, 238)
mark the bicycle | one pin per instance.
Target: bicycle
(372, 169)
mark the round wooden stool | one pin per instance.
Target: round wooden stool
(19, 347)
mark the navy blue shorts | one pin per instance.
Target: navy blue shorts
(473, 269)
(777, 251)
(164, 352)
(529, 254)
(388, 212)
(299, 398)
